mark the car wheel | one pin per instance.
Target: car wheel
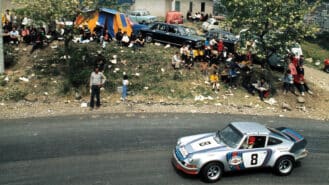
(148, 38)
(284, 165)
(212, 172)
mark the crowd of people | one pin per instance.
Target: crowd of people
(231, 68)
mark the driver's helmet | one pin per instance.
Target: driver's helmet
(252, 140)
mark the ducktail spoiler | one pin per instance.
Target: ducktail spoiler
(299, 141)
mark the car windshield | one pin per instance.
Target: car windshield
(230, 136)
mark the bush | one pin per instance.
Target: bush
(14, 94)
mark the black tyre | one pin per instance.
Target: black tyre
(148, 38)
(212, 172)
(284, 166)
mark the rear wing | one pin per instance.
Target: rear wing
(299, 141)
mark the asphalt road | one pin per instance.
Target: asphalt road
(134, 149)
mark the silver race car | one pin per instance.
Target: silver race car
(240, 145)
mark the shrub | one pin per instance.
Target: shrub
(14, 94)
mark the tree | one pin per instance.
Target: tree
(277, 24)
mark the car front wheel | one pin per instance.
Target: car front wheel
(212, 172)
(284, 165)
(148, 38)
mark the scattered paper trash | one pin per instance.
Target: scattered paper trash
(84, 105)
(24, 79)
(167, 46)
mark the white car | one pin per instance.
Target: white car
(210, 24)
(239, 146)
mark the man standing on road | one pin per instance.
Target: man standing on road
(97, 80)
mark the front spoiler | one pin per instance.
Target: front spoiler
(178, 165)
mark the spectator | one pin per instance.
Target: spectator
(118, 36)
(288, 82)
(14, 36)
(140, 41)
(125, 83)
(326, 65)
(7, 20)
(38, 44)
(86, 34)
(214, 81)
(247, 81)
(176, 61)
(263, 89)
(301, 85)
(97, 80)
(125, 39)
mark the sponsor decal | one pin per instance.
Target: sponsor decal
(235, 160)
(205, 143)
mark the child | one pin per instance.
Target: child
(125, 83)
(214, 81)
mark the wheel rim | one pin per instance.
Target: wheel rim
(285, 166)
(148, 38)
(213, 172)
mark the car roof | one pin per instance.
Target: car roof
(251, 128)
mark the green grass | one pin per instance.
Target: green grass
(317, 48)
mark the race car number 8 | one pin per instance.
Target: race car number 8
(254, 158)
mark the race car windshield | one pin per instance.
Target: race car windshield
(230, 136)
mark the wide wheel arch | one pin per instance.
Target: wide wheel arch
(284, 160)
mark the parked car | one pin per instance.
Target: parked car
(228, 38)
(174, 17)
(210, 24)
(239, 146)
(171, 34)
(141, 16)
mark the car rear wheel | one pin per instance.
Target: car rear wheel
(212, 172)
(284, 165)
(148, 38)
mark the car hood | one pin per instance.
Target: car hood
(204, 143)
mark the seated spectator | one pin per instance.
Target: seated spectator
(118, 36)
(26, 35)
(326, 65)
(176, 61)
(125, 39)
(86, 34)
(189, 63)
(14, 36)
(301, 84)
(224, 75)
(38, 44)
(140, 40)
(263, 89)
(214, 81)
(247, 81)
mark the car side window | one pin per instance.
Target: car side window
(254, 142)
(172, 29)
(138, 14)
(273, 141)
(162, 27)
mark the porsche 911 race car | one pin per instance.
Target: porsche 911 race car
(240, 145)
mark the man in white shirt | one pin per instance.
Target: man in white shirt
(14, 35)
(97, 80)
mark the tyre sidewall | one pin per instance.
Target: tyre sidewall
(277, 166)
(205, 169)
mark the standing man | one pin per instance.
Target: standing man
(97, 80)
